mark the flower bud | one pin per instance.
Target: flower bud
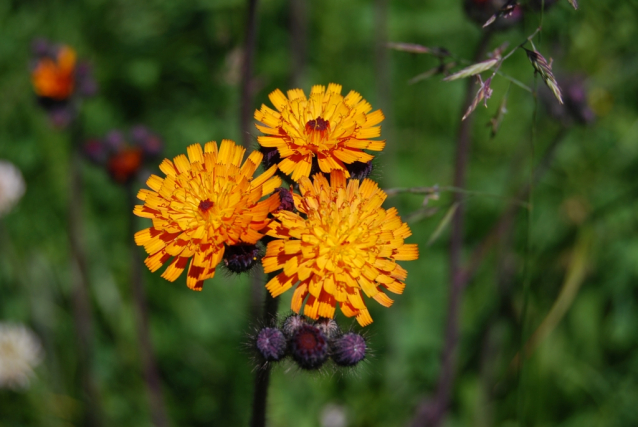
(328, 327)
(309, 347)
(349, 349)
(271, 156)
(359, 170)
(287, 203)
(271, 344)
(292, 324)
(240, 258)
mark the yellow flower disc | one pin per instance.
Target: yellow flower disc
(333, 129)
(345, 244)
(55, 78)
(206, 201)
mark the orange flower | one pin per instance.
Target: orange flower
(344, 243)
(327, 128)
(55, 78)
(207, 201)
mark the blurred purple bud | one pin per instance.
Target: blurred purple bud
(41, 47)
(114, 141)
(95, 151)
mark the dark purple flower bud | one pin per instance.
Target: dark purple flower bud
(309, 347)
(139, 133)
(95, 151)
(329, 327)
(114, 141)
(349, 349)
(292, 324)
(271, 344)
(271, 156)
(86, 85)
(240, 258)
(41, 47)
(286, 201)
(359, 170)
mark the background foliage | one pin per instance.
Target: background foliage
(174, 66)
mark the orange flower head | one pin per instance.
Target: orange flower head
(55, 77)
(207, 201)
(326, 128)
(343, 246)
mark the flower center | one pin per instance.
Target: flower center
(205, 205)
(307, 341)
(317, 128)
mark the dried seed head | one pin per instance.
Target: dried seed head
(483, 94)
(309, 347)
(239, 258)
(544, 68)
(349, 349)
(271, 344)
(473, 69)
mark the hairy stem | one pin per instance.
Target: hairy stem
(152, 377)
(262, 376)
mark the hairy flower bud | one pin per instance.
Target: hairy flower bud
(292, 324)
(271, 344)
(240, 258)
(349, 349)
(287, 203)
(328, 327)
(359, 170)
(309, 347)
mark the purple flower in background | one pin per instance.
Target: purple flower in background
(123, 155)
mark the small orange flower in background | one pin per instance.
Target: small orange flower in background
(326, 128)
(206, 202)
(54, 77)
(344, 246)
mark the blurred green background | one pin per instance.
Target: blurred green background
(175, 67)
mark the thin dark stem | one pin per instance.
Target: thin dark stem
(152, 377)
(262, 376)
(80, 298)
(432, 413)
(246, 106)
(245, 119)
(298, 39)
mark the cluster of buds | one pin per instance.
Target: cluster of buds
(123, 155)
(310, 344)
(59, 81)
